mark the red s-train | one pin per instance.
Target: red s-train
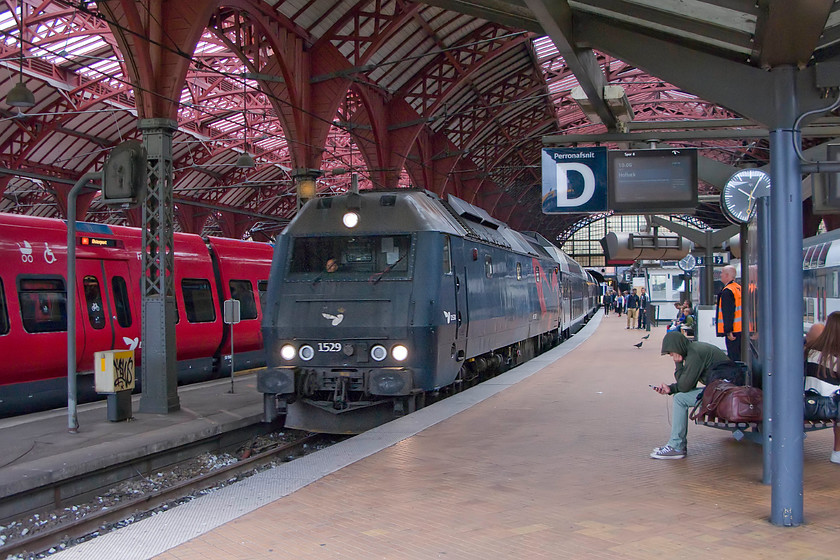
(33, 311)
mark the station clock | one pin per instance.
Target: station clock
(739, 194)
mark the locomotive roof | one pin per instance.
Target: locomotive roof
(379, 211)
(405, 211)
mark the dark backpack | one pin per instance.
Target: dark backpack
(733, 372)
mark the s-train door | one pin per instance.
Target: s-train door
(104, 308)
(122, 305)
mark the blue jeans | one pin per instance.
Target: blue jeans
(683, 402)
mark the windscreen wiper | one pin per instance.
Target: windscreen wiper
(378, 276)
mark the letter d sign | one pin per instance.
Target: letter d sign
(563, 170)
(574, 180)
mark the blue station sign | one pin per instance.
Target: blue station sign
(574, 180)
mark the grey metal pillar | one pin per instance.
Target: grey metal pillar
(708, 295)
(746, 301)
(765, 331)
(786, 293)
(159, 376)
(72, 396)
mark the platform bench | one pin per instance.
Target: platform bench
(752, 430)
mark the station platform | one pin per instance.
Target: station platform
(38, 450)
(549, 460)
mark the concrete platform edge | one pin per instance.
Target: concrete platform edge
(15, 479)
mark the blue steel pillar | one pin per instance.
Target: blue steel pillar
(765, 331)
(786, 294)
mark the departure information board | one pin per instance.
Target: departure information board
(653, 181)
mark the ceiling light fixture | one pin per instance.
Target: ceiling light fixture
(20, 96)
(245, 160)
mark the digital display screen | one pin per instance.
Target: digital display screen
(641, 181)
(97, 242)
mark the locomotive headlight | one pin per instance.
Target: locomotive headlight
(287, 352)
(306, 352)
(399, 352)
(350, 219)
(378, 353)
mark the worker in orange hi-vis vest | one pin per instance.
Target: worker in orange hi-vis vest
(729, 312)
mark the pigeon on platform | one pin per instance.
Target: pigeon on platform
(647, 336)
(639, 345)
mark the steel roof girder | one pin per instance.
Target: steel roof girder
(555, 16)
(788, 31)
(744, 89)
(513, 15)
(451, 71)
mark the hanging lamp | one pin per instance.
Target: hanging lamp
(20, 96)
(245, 160)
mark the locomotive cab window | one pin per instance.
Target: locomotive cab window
(243, 291)
(93, 302)
(43, 304)
(198, 300)
(121, 305)
(350, 257)
(4, 312)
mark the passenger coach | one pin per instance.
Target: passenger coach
(33, 311)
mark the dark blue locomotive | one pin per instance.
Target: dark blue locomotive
(376, 300)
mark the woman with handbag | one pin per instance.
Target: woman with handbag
(822, 374)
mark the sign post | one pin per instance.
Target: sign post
(232, 316)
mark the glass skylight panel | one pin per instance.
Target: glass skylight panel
(75, 47)
(108, 69)
(205, 48)
(544, 47)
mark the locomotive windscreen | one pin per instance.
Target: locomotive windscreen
(350, 257)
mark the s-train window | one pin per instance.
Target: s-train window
(4, 312)
(350, 258)
(198, 300)
(43, 304)
(121, 305)
(93, 302)
(244, 292)
(488, 266)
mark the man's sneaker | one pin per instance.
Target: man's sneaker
(667, 452)
(835, 457)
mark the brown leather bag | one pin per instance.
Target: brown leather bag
(725, 401)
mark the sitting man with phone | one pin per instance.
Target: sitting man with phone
(694, 361)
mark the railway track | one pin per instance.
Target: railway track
(60, 535)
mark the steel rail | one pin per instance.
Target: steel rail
(98, 521)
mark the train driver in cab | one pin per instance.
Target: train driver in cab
(331, 266)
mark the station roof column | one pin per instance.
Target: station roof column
(159, 372)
